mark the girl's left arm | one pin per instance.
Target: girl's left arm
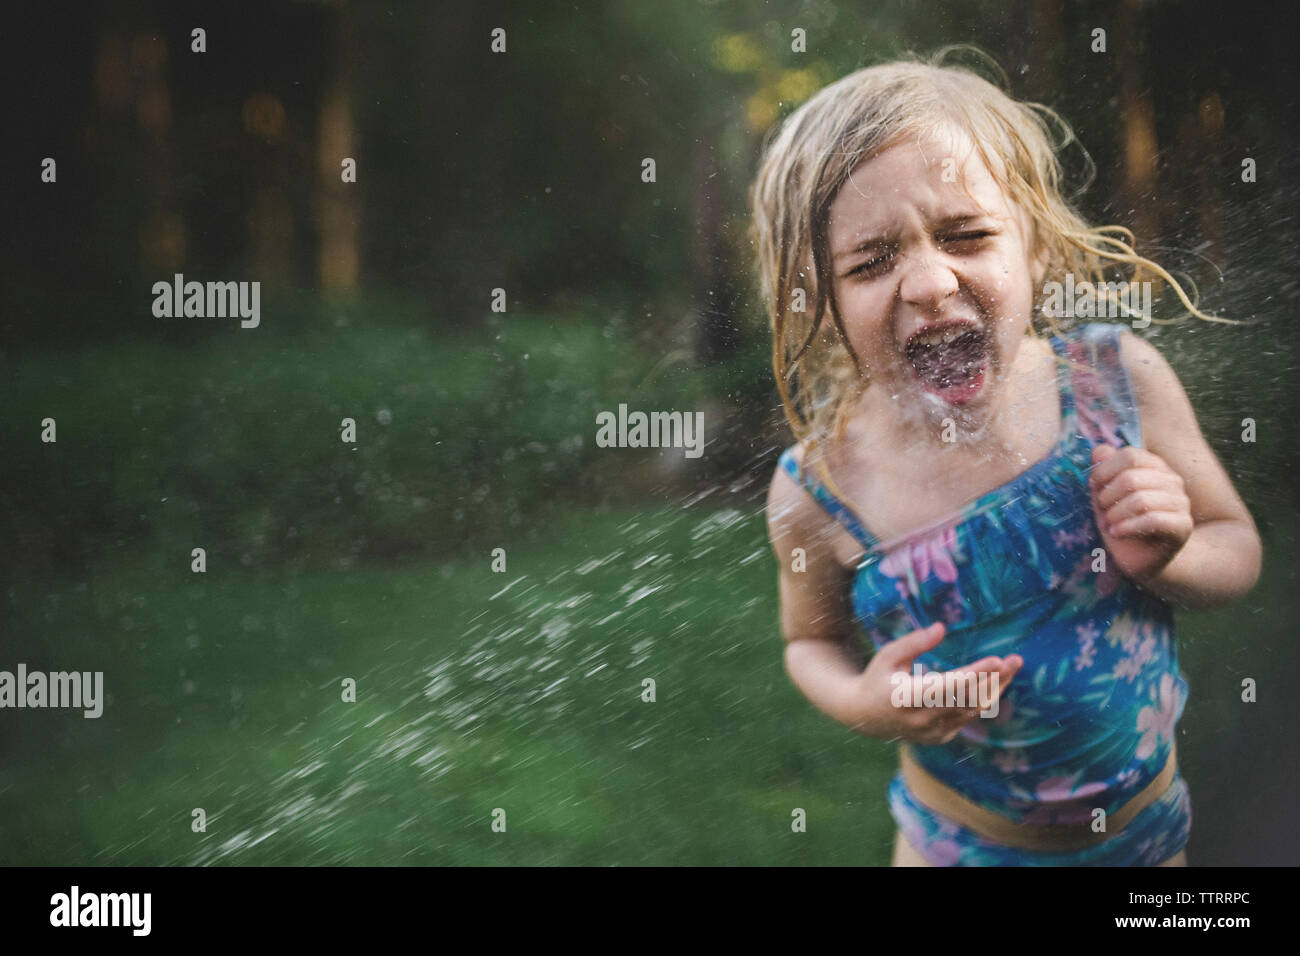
(1169, 514)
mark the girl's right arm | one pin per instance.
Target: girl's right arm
(823, 655)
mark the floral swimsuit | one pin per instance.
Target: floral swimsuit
(1088, 721)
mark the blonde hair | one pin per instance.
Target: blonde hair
(810, 156)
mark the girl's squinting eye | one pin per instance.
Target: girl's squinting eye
(870, 266)
(878, 265)
(973, 236)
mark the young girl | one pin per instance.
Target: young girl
(979, 496)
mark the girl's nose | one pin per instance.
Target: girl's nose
(927, 279)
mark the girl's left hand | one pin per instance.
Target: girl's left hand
(1141, 507)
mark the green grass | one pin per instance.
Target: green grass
(469, 700)
(234, 442)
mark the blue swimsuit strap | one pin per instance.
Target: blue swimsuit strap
(1103, 342)
(836, 508)
(1064, 383)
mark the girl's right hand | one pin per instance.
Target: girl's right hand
(873, 711)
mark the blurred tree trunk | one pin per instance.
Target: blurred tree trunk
(1139, 126)
(339, 259)
(1209, 124)
(712, 287)
(1045, 38)
(1199, 136)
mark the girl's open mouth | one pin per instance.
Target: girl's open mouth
(950, 362)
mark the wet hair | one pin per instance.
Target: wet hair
(812, 154)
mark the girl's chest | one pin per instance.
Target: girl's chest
(904, 498)
(904, 482)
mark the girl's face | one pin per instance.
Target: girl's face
(934, 272)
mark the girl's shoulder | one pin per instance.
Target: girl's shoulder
(804, 465)
(798, 497)
(795, 512)
(792, 459)
(792, 482)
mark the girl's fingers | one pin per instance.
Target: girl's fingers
(1008, 674)
(1107, 465)
(1171, 524)
(1010, 664)
(942, 724)
(899, 654)
(1144, 501)
(1005, 666)
(1133, 480)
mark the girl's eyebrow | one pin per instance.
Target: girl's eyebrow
(960, 220)
(871, 242)
(956, 221)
